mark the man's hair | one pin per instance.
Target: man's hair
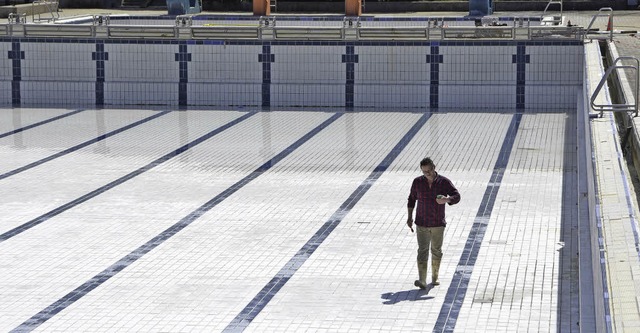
(427, 161)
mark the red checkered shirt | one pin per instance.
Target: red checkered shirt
(429, 213)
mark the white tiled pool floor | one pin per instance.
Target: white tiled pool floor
(281, 221)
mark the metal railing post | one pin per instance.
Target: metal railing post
(609, 23)
(627, 107)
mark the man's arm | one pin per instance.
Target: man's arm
(454, 195)
(411, 203)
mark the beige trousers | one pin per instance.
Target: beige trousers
(429, 238)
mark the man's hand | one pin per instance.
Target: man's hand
(410, 223)
(441, 199)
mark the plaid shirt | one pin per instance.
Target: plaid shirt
(429, 212)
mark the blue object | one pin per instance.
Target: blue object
(480, 7)
(181, 7)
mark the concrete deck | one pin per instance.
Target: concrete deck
(28, 9)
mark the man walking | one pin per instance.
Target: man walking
(432, 191)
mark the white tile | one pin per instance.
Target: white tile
(312, 95)
(140, 93)
(308, 64)
(51, 93)
(225, 64)
(224, 94)
(142, 63)
(5, 93)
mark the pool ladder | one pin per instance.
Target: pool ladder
(627, 106)
(602, 12)
(51, 7)
(552, 20)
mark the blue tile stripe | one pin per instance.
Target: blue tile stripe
(454, 298)
(80, 146)
(16, 56)
(266, 58)
(21, 129)
(61, 304)
(350, 58)
(520, 59)
(100, 56)
(41, 219)
(434, 59)
(264, 296)
(183, 58)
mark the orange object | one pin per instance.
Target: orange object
(610, 24)
(353, 7)
(261, 7)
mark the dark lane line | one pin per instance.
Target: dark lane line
(61, 304)
(82, 145)
(38, 220)
(458, 289)
(40, 123)
(264, 296)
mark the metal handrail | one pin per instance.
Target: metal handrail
(550, 3)
(559, 2)
(266, 29)
(599, 14)
(50, 5)
(15, 18)
(632, 107)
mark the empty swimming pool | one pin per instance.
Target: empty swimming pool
(261, 185)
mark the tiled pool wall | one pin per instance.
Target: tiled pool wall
(532, 74)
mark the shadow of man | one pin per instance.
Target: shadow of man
(407, 295)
